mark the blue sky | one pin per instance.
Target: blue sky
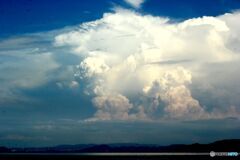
(26, 16)
(158, 69)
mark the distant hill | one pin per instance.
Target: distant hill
(219, 146)
(4, 150)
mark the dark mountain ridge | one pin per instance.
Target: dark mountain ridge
(230, 145)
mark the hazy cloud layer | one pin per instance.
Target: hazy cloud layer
(28, 62)
(22, 66)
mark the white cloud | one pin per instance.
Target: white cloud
(112, 107)
(135, 3)
(171, 89)
(92, 66)
(134, 63)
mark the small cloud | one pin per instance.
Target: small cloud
(74, 84)
(43, 127)
(135, 3)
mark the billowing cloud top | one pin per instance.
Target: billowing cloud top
(135, 3)
(146, 68)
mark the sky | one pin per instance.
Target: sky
(119, 71)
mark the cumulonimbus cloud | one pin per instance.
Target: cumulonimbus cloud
(141, 67)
